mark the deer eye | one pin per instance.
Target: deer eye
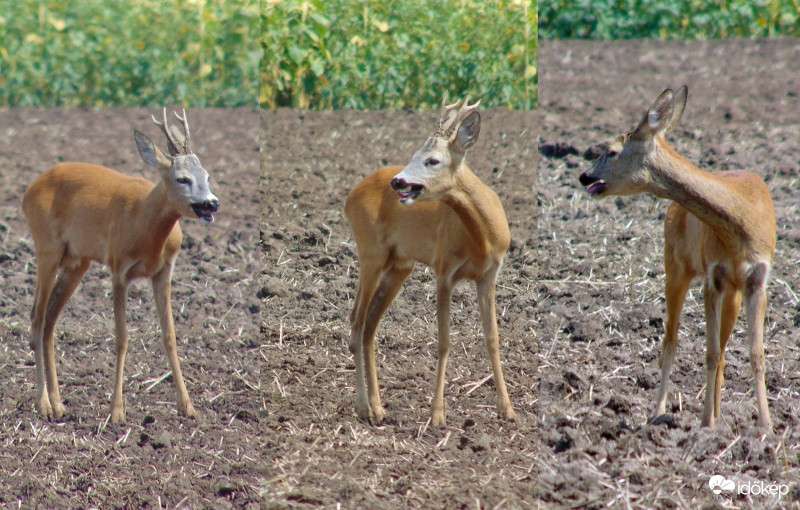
(183, 180)
(611, 153)
(431, 162)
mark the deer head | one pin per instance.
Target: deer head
(625, 166)
(434, 168)
(184, 176)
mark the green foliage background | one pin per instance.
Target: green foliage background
(668, 19)
(124, 52)
(374, 54)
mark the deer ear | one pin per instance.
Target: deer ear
(659, 114)
(666, 112)
(150, 154)
(678, 105)
(468, 131)
(663, 115)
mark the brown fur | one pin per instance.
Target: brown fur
(458, 228)
(721, 227)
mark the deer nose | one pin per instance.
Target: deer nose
(210, 205)
(586, 180)
(399, 184)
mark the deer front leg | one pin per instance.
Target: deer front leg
(120, 291)
(675, 292)
(444, 293)
(357, 349)
(487, 307)
(162, 292)
(756, 299)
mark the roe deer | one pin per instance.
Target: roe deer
(80, 212)
(720, 227)
(434, 211)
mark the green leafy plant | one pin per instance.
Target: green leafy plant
(670, 19)
(397, 54)
(142, 53)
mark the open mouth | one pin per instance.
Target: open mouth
(594, 186)
(408, 196)
(408, 192)
(205, 211)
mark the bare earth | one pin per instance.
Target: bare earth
(600, 317)
(157, 459)
(580, 339)
(317, 453)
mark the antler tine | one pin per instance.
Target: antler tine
(187, 138)
(452, 115)
(450, 107)
(467, 108)
(446, 118)
(157, 123)
(445, 106)
(173, 144)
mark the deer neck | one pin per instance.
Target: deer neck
(479, 210)
(158, 215)
(703, 194)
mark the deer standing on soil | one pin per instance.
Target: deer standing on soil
(721, 227)
(457, 227)
(80, 212)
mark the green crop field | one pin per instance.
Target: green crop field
(134, 53)
(324, 54)
(668, 19)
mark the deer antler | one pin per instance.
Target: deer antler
(187, 138)
(452, 115)
(176, 147)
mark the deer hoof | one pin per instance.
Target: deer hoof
(377, 414)
(58, 409)
(186, 409)
(506, 412)
(118, 414)
(438, 418)
(44, 408)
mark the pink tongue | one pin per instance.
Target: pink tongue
(596, 188)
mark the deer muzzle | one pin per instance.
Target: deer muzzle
(408, 192)
(595, 186)
(205, 210)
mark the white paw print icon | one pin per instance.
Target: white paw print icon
(718, 483)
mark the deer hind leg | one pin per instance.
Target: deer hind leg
(391, 282)
(716, 285)
(731, 303)
(65, 286)
(367, 286)
(486, 305)
(444, 292)
(756, 300)
(161, 292)
(676, 287)
(45, 363)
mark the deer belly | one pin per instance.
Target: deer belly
(81, 246)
